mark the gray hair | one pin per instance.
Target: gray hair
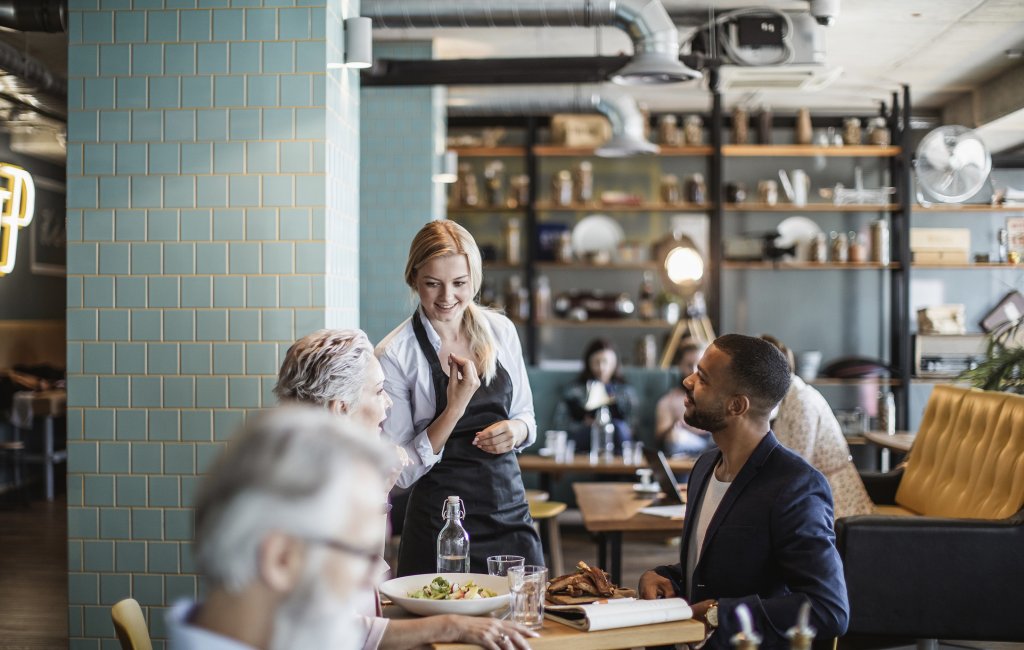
(323, 366)
(289, 470)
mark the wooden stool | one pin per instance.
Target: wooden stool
(14, 451)
(548, 512)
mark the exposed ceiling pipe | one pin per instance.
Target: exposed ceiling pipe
(654, 35)
(34, 15)
(621, 110)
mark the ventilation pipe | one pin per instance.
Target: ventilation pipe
(34, 15)
(654, 35)
(620, 109)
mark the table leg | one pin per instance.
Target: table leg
(602, 550)
(615, 538)
(886, 460)
(48, 458)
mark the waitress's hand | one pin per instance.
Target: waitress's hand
(462, 382)
(501, 437)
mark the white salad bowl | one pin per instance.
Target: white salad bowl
(398, 590)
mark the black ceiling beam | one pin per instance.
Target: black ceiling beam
(468, 72)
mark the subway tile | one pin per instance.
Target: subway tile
(113, 391)
(114, 258)
(195, 225)
(181, 586)
(114, 325)
(163, 425)
(99, 158)
(243, 392)
(83, 60)
(197, 92)
(195, 158)
(229, 157)
(211, 258)
(310, 56)
(228, 25)
(211, 325)
(195, 25)
(179, 459)
(308, 320)
(318, 222)
(211, 191)
(178, 524)
(99, 490)
(179, 325)
(98, 424)
(244, 57)
(146, 259)
(147, 59)
(113, 587)
(83, 588)
(74, 294)
(310, 190)
(180, 59)
(130, 358)
(212, 58)
(162, 225)
(98, 359)
(244, 190)
(145, 325)
(196, 292)
(98, 27)
(211, 392)
(179, 392)
(226, 424)
(261, 359)
(195, 357)
(130, 557)
(261, 90)
(261, 291)
(81, 193)
(98, 225)
(295, 156)
(146, 191)
(129, 26)
(114, 60)
(163, 556)
(115, 523)
(228, 358)
(97, 555)
(81, 324)
(277, 190)
(74, 155)
(276, 258)
(75, 562)
(278, 123)
(296, 89)
(277, 325)
(131, 424)
(82, 522)
(244, 124)
(131, 158)
(227, 224)
(114, 457)
(228, 292)
(163, 26)
(261, 157)
(280, 58)
(180, 125)
(309, 124)
(130, 92)
(244, 325)
(114, 125)
(179, 192)
(294, 24)
(148, 589)
(99, 93)
(147, 126)
(147, 524)
(179, 258)
(163, 158)
(162, 358)
(261, 24)
(196, 425)
(130, 292)
(261, 224)
(164, 92)
(131, 491)
(147, 458)
(295, 291)
(310, 257)
(243, 258)
(212, 125)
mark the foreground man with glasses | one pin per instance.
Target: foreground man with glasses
(284, 535)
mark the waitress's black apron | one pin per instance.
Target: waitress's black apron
(491, 486)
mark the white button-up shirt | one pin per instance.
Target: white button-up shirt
(185, 636)
(408, 382)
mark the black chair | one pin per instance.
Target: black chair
(13, 452)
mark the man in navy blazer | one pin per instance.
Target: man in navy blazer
(758, 526)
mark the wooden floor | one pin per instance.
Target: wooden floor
(34, 576)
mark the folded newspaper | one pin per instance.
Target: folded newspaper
(622, 612)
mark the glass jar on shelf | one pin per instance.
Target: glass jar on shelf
(583, 182)
(693, 130)
(494, 183)
(513, 241)
(878, 132)
(561, 188)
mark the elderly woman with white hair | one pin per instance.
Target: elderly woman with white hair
(337, 370)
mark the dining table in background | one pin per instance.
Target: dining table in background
(550, 470)
(900, 442)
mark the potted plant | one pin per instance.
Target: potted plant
(1003, 366)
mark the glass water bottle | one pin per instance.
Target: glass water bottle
(453, 540)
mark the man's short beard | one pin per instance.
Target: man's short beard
(705, 420)
(312, 617)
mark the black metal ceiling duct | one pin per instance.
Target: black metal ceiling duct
(34, 15)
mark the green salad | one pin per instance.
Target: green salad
(441, 589)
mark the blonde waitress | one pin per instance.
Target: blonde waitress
(462, 402)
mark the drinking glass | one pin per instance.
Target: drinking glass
(528, 585)
(627, 452)
(498, 565)
(570, 451)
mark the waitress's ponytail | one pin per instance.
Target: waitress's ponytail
(442, 238)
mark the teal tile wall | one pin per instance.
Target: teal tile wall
(213, 207)
(401, 128)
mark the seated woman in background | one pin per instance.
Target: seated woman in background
(805, 423)
(673, 434)
(600, 385)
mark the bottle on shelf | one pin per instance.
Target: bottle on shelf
(494, 183)
(466, 193)
(453, 540)
(517, 300)
(887, 412)
(1003, 240)
(583, 182)
(561, 188)
(513, 241)
(740, 125)
(646, 308)
(803, 132)
(764, 125)
(542, 299)
(880, 241)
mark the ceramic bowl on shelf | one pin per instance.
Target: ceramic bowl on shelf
(597, 236)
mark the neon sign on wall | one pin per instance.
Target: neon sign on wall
(17, 205)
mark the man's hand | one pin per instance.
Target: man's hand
(700, 610)
(654, 586)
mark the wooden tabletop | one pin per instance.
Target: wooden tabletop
(581, 463)
(555, 636)
(901, 441)
(615, 507)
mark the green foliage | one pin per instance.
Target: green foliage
(1003, 367)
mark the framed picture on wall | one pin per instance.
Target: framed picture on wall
(49, 229)
(1015, 235)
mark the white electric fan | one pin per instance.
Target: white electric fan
(952, 164)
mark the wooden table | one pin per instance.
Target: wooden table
(550, 470)
(555, 636)
(610, 509)
(900, 442)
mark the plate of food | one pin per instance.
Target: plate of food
(584, 586)
(430, 594)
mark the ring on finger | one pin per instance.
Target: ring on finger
(503, 638)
